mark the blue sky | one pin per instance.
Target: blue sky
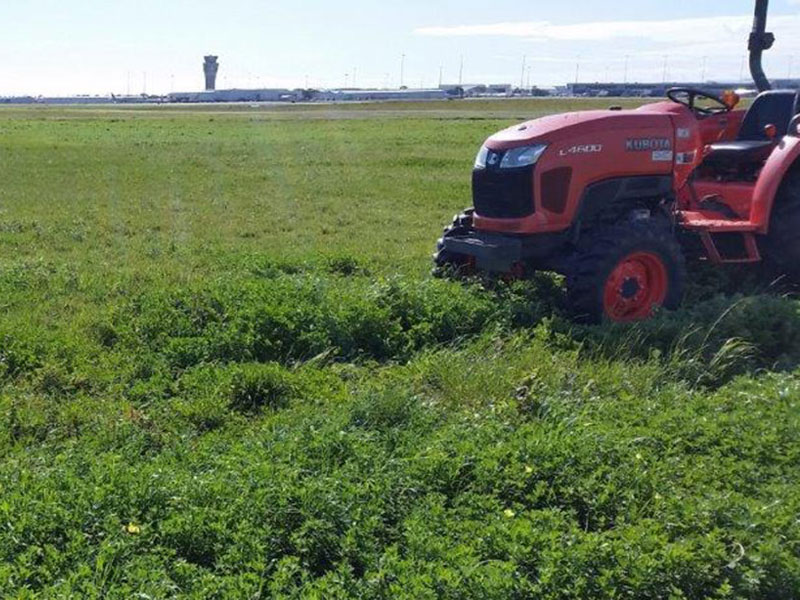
(96, 47)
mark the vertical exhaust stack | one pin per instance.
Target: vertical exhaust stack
(760, 40)
(210, 68)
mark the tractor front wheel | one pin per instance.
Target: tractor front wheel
(623, 272)
(448, 263)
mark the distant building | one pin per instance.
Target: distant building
(262, 95)
(17, 100)
(58, 100)
(659, 90)
(375, 95)
(499, 89)
(478, 90)
(210, 68)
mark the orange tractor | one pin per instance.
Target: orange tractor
(616, 199)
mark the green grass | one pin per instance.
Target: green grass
(225, 372)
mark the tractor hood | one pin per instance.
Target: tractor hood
(558, 128)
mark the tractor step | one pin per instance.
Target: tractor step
(726, 241)
(711, 222)
(730, 247)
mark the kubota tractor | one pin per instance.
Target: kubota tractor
(615, 199)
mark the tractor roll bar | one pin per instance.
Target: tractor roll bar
(760, 40)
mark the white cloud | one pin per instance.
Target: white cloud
(678, 31)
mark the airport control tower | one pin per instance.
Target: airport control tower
(210, 68)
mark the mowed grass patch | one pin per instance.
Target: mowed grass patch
(180, 193)
(225, 372)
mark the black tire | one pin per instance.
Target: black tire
(602, 250)
(448, 263)
(781, 246)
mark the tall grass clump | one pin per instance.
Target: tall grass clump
(707, 344)
(295, 318)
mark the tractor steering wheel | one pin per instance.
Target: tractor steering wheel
(688, 97)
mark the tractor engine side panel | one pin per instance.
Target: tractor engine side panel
(643, 146)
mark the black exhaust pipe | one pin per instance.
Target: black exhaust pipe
(760, 40)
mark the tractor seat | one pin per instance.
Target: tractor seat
(752, 144)
(739, 152)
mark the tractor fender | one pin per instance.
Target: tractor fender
(769, 181)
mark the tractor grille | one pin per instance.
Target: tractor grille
(503, 193)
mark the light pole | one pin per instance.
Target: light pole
(522, 75)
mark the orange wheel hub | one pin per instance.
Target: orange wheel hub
(637, 284)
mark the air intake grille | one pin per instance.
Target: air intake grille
(555, 189)
(503, 193)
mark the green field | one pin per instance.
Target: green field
(225, 372)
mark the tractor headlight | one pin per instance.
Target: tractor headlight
(480, 160)
(523, 156)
